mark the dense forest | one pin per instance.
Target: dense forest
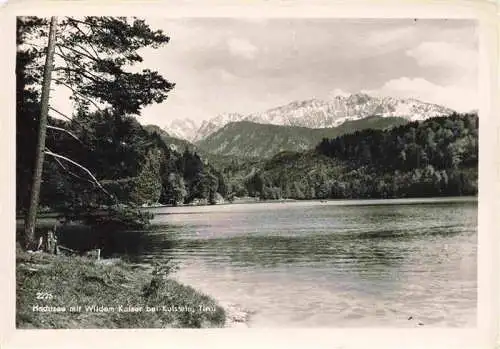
(436, 157)
(133, 165)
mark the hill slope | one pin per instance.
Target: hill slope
(437, 157)
(249, 139)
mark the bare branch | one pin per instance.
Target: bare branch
(68, 117)
(63, 115)
(48, 152)
(70, 172)
(66, 131)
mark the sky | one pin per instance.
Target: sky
(225, 65)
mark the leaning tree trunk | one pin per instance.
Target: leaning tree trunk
(29, 228)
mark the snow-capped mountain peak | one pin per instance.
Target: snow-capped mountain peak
(183, 129)
(315, 113)
(216, 123)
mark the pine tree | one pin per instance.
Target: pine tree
(92, 56)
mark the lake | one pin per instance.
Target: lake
(329, 264)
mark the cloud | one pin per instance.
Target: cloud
(458, 62)
(245, 65)
(457, 97)
(385, 37)
(338, 92)
(446, 55)
(225, 75)
(242, 48)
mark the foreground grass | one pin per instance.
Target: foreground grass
(55, 281)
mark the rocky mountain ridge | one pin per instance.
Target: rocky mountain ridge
(315, 113)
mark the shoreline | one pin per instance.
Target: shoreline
(53, 216)
(236, 316)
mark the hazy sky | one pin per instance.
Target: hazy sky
(247, 65)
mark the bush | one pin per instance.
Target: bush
(118, 217)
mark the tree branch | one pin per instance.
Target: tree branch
(63, 115)
(66, 131)
(78, 93)
(32, 44)
(81, 22)
(70, 172)
(88, 52)
(69, 118)
(75, 22)
(75, 62)
(93, 49)
(48, 152)
(78, 52)
(90, 25)
(86, 35)
(92, 77)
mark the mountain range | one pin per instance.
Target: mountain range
(314, 114)
(249, 139)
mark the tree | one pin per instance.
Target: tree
(200, 188)
(323, 189)
(28, 71)
(93, 54)
(175, 189)
(29, 230)
(213, 186)
(147, 189)
(222, 185)
(298, 190)
(255, 185)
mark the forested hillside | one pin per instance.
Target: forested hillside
(437, 157)
(133, 165)
(249, 139)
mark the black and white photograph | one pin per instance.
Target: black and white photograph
(246, 173)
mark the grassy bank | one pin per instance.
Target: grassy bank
(51, 288)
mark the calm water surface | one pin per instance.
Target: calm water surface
(329, 264)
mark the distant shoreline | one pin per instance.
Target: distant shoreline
(332, 202)
(52, 216)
